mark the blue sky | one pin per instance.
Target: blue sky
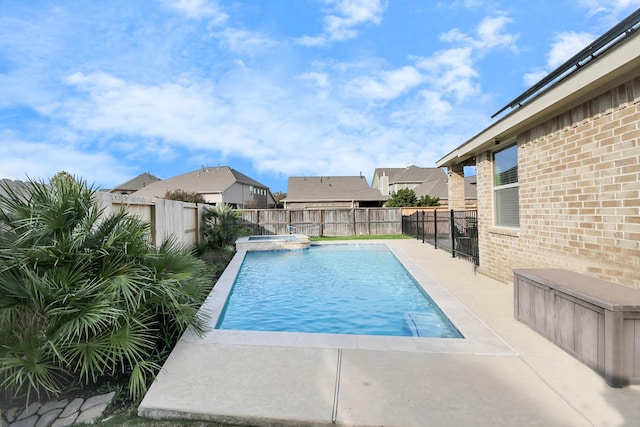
(273, 88)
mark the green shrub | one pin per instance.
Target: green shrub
(184, 196)
(406, 197)
(427, 200)
(222, 225)
(84, 296)
(402, 198)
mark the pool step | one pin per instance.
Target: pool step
(425, 325)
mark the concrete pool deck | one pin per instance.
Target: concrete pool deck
(504, 375)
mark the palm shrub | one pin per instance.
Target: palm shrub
(84, 295)
(222, 225)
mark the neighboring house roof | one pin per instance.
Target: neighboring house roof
(207, 180)
(433, 188)
(417, 174)
(471, 187)
(387, 172)
(608, 61)
(136, 183)
(331, 188)
(409, 174)
(439, 188)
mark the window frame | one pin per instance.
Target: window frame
(497, 188)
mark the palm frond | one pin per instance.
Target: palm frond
(140, 378)
(26, 364)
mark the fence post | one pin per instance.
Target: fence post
(417, 226)
(435, 229)
(423, 228)
(453, 234)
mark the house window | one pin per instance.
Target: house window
(505, 187)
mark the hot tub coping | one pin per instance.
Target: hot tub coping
(273, 242)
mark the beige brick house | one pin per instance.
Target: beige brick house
(558, 177)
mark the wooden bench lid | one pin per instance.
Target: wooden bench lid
(603, 293)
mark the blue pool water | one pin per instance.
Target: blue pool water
(338, 289)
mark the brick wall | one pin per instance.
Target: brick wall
(579, 178)
(455, 185)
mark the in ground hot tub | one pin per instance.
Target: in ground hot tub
(273, 243)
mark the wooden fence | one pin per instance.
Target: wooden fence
(183, 220)
(167, 217)
(332, 222)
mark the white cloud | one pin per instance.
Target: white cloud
(389, 85)
(349, 14)
(489, 34)
(534, 77)
(466, 4)
(320, 80)
(244, 41)
(610, 10)
(343, 19)
(179, 111)
(199, 9)
(431, 109)
(564, 46)
(451, 72)
(262, 122)
(21, 159)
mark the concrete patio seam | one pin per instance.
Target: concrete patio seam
(336, 392)
(556, 391)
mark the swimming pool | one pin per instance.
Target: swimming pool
(335, 289)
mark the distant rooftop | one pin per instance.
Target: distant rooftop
(331, 188)
(206, 180)
(136, 183)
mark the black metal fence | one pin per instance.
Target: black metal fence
(454, 231)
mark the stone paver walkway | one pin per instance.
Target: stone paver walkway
(58, 413)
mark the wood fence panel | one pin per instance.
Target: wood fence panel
(190, 223)
(181, 220)
(332, 222)
(138, 206)
(274, 221)
(338, 223)
(264, 221)
(169, 219)
(306, 216)
(249, 220)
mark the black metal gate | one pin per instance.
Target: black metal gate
(454, 231)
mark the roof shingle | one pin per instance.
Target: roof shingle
(331, 188)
